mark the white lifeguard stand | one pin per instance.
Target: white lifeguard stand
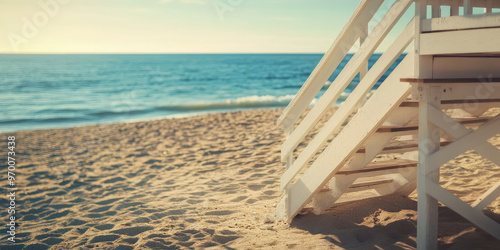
(454, 64)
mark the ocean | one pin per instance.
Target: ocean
(57, 91)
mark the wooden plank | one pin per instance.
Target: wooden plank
(454, 8)
(467, 7)
(356, 96)
(466, 67)
(456, 22)
(462, 208)
(380, 168)
(487, 198)
(429, 138)
(387, 98)
(460, 41)
(351, 69)
(475, 3)
(414, 104)
(489, 6)
(449, 80)
(332, 58)
(413, 126)
(368, 183)
(436, 9)
(401, 146)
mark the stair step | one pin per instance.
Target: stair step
(380, 168)
(449, 80)
(411, 103)
(400, 146)
(413, 126)
(364, 184)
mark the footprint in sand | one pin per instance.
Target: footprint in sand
(256, 187)
(219, 212)
(239, 198)
(133, 231)
(104, 238)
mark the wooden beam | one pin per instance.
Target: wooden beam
(461, 22)
(332, 58)
(449, 80)
(462, 208)
(461, 41)
(467, 7)
(488, 197)
(429, 142)
(454, 8)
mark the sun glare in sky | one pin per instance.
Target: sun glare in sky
(173, 26)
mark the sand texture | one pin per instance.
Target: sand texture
(205, 181)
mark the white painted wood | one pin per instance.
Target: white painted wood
(466, 67)
(332, 58)
(387, 98)
(461, 22)
(338, 118)
(462, 208)
(470, 91)
(461, 41)
(339, 185)
(487, 198)
(348, 73)
(429, 142)
(401, 117)
(454, 8)
(349, 105)
(467, 7)
(475, 3)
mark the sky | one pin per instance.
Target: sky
(175, 26)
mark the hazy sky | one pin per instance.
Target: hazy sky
(172, 26)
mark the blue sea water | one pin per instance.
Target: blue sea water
(55, 91)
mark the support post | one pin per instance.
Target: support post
(429, 141)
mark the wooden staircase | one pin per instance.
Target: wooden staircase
(339, 164)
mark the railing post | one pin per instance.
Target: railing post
(436, 9)
(489, 6)
(364, 67)
(467, 8)
(454, 8)
(428, 143)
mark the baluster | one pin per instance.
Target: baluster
(467, 8)
(489, 6)
(454, 8)
(436, 9)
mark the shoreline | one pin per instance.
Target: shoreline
(205, 181)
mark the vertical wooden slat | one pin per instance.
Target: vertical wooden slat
(429, 136)
(420, 14)
(467, 7)
(362, 38)
(454, 8)
(489, 6)
(436, 9)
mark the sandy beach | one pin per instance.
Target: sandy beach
(209, 181)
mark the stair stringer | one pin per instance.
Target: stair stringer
(371, 116)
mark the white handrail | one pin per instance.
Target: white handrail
(346, 76)
(347, 108)
(325, 68)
